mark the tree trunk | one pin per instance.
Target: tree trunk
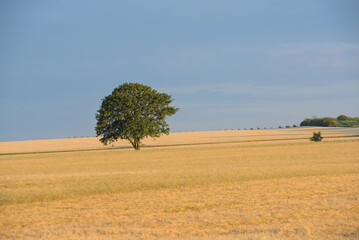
(136, 144)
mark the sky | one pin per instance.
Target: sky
(227, 64)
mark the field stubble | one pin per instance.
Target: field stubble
(175, 139)
(271, 190)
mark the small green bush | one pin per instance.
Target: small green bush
(317, 137)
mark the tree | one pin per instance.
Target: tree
(322, 122)
(133, 111)
(342, 118)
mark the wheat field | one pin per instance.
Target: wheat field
(259, 184)
(175, 139)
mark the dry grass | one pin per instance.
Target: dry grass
(269, 190)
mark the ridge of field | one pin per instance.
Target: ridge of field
(258, 190)
(87, 143)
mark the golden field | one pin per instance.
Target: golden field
(187, 138)
(200, 185)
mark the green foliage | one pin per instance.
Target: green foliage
(133, 111)
(340, 121)
(350, 122)
(305, 122)
(323, 122)
(317, 137)
(342, 117)
(329, 122)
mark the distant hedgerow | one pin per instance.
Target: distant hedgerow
(321, 122)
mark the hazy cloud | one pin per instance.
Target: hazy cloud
(320, 57)
(339, 88)
(314, 48)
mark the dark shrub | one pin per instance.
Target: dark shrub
(317, 137)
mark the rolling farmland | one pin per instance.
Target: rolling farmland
(252, 184)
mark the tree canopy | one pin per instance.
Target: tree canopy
(340, 121)
(133, 111)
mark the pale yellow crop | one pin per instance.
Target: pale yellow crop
(232, 188)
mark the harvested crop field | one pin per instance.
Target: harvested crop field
(259, 184)
(177, 139)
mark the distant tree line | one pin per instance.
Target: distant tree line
(340, 121)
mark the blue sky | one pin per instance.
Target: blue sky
(227, 64)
